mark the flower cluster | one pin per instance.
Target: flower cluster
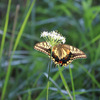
(53, 37)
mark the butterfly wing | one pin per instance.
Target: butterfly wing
(61, 54)
(43, 47)
(63, 61)
(77, 53)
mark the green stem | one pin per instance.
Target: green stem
(72, 82)
(64, 82)
(49, 75)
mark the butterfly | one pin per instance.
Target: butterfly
(62, 54)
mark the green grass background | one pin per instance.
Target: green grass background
(24, 72)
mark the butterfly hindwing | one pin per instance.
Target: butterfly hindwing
(63, 61)
(65, 54)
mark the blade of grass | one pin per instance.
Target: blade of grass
(23, 26)
(91, 76)
(44, 91)
(13, 30)
(58, 88)
(83, 91)
(15, 46)
(64, 82)
(29, 96)
(97, 52)
(72, 82)
(5, 30)
(93, 86)
(92, 41)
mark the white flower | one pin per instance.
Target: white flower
(53, 37)
(63, 39)
(44, 34)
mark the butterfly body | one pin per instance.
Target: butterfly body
(62, 54)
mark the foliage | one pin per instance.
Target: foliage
(78, 21)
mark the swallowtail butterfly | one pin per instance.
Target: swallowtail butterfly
(62, 54)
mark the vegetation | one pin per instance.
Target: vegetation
(24, 71)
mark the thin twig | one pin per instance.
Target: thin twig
(13, 30)
(49, 75)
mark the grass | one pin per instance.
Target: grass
(65, 83)
(3, 42)
(15, 46)
(72, 83)
(24, 74)
(5, 30)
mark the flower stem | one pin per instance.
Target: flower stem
(64, 82)
(49, 75)
(72, 83)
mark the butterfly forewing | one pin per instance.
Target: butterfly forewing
(43, 47)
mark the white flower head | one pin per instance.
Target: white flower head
(53, 37)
